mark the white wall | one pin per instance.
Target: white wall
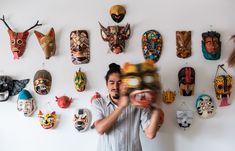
(166, 16)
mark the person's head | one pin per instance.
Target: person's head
(113, 80)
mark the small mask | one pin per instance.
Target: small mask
(63, 101)
(184, 118)
(80, 81)
(82, 120)
(186, 78)
(117, 13)
(168, 96)
(47, 120)
(18, 39)
(10, 87)
(42, 82)
(211, 45)
(183, 44)
(115, 36)
(47, 42)
(26, 103)
(152, 45)
(143, 83)
(205, 106)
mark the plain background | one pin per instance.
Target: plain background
(166, 16)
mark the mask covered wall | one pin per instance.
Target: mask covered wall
(183, 43)
(47, 120)
(82, 120)
(42, 82)
(186, 77)
(205, 106)
(80, 81)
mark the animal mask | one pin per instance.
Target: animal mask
(79, 45)
(117, 13)
(211, 45)
(183, 44)
(186, 78)
(143, 83)
(223, 87)
(82, 120)
(10, 87)
(205, 106)
(184, 118)
(18, 39)
(26, 103)
(47, 42)
(63, 101)
(80, 81)
(42, 82)
(116, 37)
(152, 45)
(168, 96)
(47, 120)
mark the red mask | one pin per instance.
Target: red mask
(63, 101)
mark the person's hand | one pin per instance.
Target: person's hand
(124, 98)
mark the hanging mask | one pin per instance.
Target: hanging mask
(10, 87)
(223, 87)
(82, 120)
(18, 39)
(117, 13)
(116, 37)
(80, 81)
(42, 82)
(168, 96)
(143, 83)
(152, 45)
(186, 78)
(47, 42)
(211, 45)
(63, 101)
(26, 103)
(47, 120)
(183, 44)
(205, 106)
(184, 118)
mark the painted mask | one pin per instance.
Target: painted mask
(211, 45)
(82, 120)
(42, 82)
(80, 81)
(205, 106)
(152, 45)
(143, 83)
(186, 78)
(168, 96)
(184, 118)
(26, 103)
(18, 39)
(63, 101)
(10, 87)
(47, 120)
(116, 37)
(47, 42)
(117, 13)
(183, 44)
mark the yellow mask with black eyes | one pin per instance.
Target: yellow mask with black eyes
(143, 83)
(47, 120)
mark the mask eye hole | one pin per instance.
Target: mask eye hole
(220, 86)
(148, 79)
(13, 42)
(229, 86)
(19, 42)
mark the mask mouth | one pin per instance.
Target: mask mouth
(41, 89)
(142, 98)
(117, 49)
(4, 96)
(48, 126)
(224, 99)
(79, 125)
(187, 92)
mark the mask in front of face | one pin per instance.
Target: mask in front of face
(117, 13)
(82, 120)
(42, 82)
(186, 77)
(205, 106)
(184, 118)
(47, 120)
(80, 81)
(183, 43)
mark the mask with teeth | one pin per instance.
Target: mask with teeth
(10, 87)
(205, 106)
(186, 78)
(82, 120)
(184, 118)
(143, 83)
(42, 82)
(47, 120)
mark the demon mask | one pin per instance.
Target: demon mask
(82, 120)
(168, 96)
(186, 78)
(80, 81)
(63, 101)
(42, 82)
(183, 43)
(205, 106)
(117, 13)
(184, 118)
(47, 120)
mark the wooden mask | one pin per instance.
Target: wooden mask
(183, 44)
(117, 13)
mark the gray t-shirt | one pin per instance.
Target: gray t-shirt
(124, 134)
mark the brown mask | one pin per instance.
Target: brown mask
(117, 13)
(186, 78)
(183, 43)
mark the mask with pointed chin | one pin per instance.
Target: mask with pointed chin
(186, 78)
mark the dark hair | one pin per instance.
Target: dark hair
(113, 68)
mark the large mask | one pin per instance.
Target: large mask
(152, 45)
(223, 87)
(186, 78)
(184, 118)
(10, 87)
(42, 82)
(211, 45)
(205, 106)
(116, 37)
(26, 103)
(117, 13)
(82, 120)
(47, 120)
(79, 45)
(47, 42)
(183, 44)
(143, 83)
(168, 96)
(63, 101)
(18, 39)
(80, 81)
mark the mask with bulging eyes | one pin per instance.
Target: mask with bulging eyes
(184, 118)
(205, 106)
(47, 120)
(80, 81)
(186, 77)
(42, 82)
(82, 120)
